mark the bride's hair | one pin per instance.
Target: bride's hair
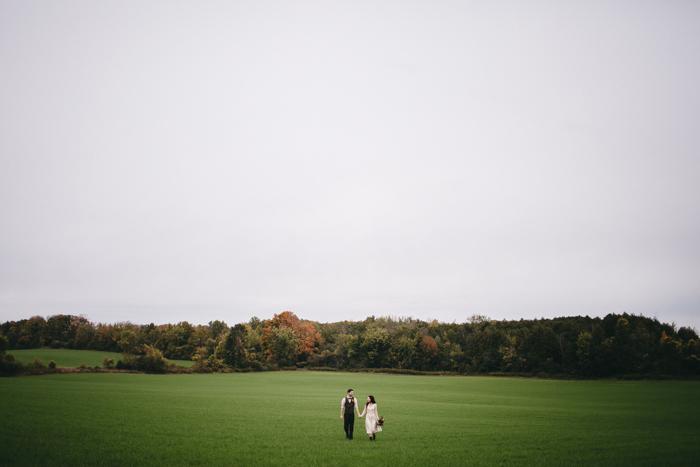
(371, 400)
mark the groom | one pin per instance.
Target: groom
(348, 407)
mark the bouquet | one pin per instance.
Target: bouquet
(380, 422)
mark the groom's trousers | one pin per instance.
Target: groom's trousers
(349, 424)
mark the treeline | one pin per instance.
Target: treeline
(615, 345)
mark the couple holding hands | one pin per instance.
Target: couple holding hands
(348, 407)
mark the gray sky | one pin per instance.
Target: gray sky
(167, 161)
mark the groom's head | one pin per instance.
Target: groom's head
(349, 392)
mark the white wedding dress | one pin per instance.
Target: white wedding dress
(371, 419)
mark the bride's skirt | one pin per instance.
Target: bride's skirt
(371, 424)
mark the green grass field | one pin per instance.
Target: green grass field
(74, 358)
(293, 418)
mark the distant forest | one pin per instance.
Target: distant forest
(616, 345)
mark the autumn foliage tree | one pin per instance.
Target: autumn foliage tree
(285, 340)
(428, 351)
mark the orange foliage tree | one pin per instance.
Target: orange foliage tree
(429, 347)
(285, 339)
(429, 351)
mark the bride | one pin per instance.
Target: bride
(372, 418)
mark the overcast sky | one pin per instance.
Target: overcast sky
(164, 161)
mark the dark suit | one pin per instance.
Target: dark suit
(349, 416)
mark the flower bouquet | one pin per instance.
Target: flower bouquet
(380, 422)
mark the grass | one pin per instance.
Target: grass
(293, 418)
(74, 358)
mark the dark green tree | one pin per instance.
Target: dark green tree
(541, 350)
(234, 353)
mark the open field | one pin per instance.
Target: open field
(74, 358)
(292, 418)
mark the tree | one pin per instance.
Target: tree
(106, 338)
(584, 354)
(285, 339)
(201, 360)
(687, 334)
(176, 341)
(234, 352)
(371, 347)
(281, 345)
(199, 337)
(402, 352)
(670, 354)
(217, 328)
(152, 361)
(4, 345)
(428, 352)
(511, 360)
(540, 349)
(59, 328)
(483, 349)
(34, 333)
(84, 333)
(308, 338)
(128, 342)
(150, 334)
